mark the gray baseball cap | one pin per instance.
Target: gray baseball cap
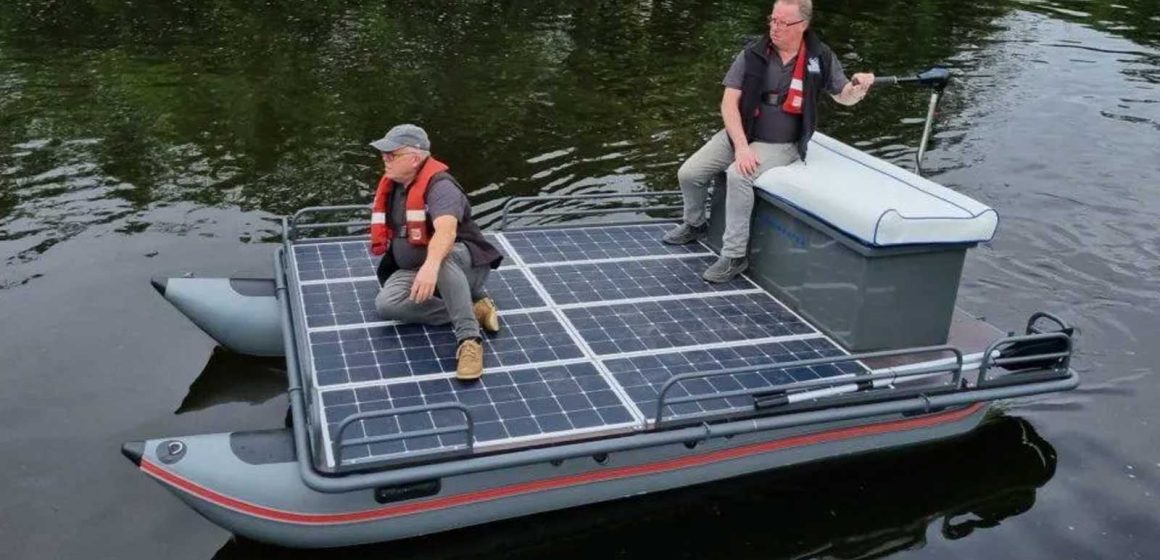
(403, 135)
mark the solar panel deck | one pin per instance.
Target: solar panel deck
(594, 321)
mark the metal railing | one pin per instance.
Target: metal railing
(765, 397)
(290, 232)
(295, 225)
(507, 215)
(340, 442)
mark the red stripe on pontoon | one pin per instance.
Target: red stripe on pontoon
(548, 484)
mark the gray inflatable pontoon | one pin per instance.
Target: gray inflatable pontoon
(617, 371)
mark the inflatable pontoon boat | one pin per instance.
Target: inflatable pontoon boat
(617, 370)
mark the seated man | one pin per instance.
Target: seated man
(770, 111)
(421, 225)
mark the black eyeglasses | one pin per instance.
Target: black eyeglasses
(780, 23)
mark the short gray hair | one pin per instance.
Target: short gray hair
(805, 7)
(423, 154)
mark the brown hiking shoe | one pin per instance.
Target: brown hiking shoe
(487, 315)
(470, 356)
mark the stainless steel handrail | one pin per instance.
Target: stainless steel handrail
(292, 231)
(340, 442)
(860, 381)
(506, 215)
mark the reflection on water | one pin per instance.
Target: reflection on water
(864, 507)
(241, 104)
(230, 377)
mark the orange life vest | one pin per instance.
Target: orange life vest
(416, 205)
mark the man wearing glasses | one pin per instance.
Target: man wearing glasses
(770, 112)
(421, 225)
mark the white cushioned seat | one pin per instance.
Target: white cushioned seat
(876, 202)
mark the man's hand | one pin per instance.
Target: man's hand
(746, 160)
(861, 83)
(424, 285)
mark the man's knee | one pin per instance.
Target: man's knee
(694, 173)
(452, 280)
(735, 179)
(391, 301)
(687, 173)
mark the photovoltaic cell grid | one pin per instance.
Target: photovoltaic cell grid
(606, 281)
(635, 327)
(333, 261)
(391, 352)
(526, 403)
(347, 259)
(353, 302)
(340, 303)
(510, 289)
(642, 377)
(581, 244)
(514, 400)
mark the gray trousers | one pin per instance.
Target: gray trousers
(713, 158)
(459, 285)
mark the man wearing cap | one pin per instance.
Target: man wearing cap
(770, 111)
(421, 225)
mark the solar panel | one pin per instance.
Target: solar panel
(637, 314)
(340, 260)
(606, 281)
(510, 289)
(340, 303)
(530, 404)
(582, 244)
(642, 377)
(386, 352)
(333, 261)
(635, 327)
(352, 302)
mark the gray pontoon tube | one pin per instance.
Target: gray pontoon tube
(239, 313)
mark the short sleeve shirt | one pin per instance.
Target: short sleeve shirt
(443, 199)
(775, 125)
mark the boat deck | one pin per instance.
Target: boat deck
(594, 321)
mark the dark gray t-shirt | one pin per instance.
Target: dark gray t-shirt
(775, 125)
(443, 199)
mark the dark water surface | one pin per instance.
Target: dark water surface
(141, 138)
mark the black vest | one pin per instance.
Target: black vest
(757, 55)
(468, 233)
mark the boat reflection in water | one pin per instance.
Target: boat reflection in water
(230, 377)
(866, 506)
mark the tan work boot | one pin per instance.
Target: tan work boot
(470, 356)
(487, 315)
